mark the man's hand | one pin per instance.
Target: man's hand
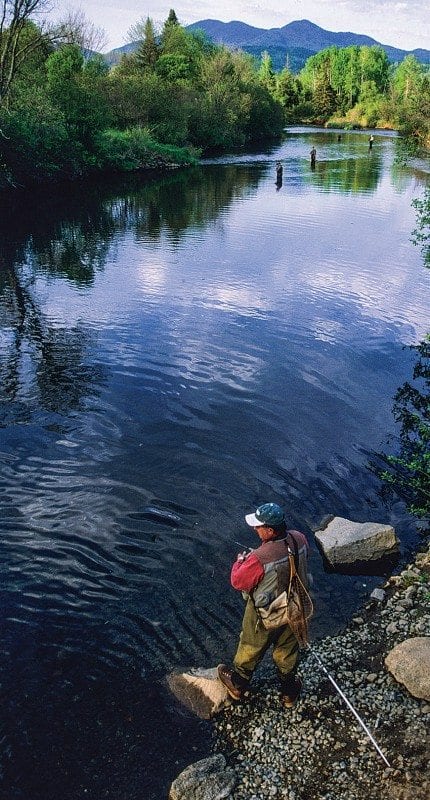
(242, 556)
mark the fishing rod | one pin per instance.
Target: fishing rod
(243, 546)
(349, 704)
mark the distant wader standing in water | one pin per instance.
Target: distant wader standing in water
(313, 156)
(279, 170)
(261, 575)
(371, 140)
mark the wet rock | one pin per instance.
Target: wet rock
(200, 690)
(208, 779)
(409, 663)
(344, 542)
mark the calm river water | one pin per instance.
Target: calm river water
(175, 351)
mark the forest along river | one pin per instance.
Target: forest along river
(174, 351)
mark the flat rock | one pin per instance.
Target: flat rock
(208, 779)
(344, 542)
(409, 664)
(200, 690)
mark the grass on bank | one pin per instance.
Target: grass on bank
(135, 148)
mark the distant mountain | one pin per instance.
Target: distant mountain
(295, 41)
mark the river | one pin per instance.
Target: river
(174, 351)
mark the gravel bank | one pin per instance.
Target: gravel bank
(317, 750)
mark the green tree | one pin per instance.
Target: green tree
(36, 143)
(374, 67)
(73, 90)
(287, 88)
(266, 73)
(324, 96)
(181, 54)
(15, 41)
(169, 27)
(410, 103)
(407, 79)
(148, 51)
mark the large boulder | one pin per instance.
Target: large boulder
(200, 690)
(345, 543)
(409, 663)
(208, 779)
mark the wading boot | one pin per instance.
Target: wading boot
(233, 682)
(290, 692)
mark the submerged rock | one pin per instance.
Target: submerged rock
(409, 663)
(208, 779)
(200, 690)
(344, 542)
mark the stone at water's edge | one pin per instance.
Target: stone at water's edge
(409, 663)
(208, 779)
(200, 690)
(344, 542)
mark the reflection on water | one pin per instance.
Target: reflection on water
(174, 351)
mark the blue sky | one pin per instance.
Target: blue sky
(402, 24)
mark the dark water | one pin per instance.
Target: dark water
(173, 352)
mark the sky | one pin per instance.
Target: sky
(400, 24)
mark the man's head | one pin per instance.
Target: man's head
(268, 520)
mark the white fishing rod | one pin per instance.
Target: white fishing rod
(349, 704)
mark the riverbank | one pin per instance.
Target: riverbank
(116, 153)
(317, 750)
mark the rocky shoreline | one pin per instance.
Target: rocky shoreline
(317, 750)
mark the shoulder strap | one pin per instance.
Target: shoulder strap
(296, 549)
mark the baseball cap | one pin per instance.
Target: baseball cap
(268, 514)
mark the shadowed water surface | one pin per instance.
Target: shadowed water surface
(173, 352)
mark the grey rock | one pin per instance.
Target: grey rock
(208, 779)
(345, 542)
(409, 663)
(378, 594)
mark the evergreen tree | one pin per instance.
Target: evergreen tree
(287, 91)
(148, 51)
(266, 73)
(169, 27)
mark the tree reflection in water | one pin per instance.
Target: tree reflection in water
(408, 473)
(69, 235)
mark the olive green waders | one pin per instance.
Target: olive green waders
(255, 640)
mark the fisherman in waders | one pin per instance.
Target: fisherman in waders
(262, 575)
